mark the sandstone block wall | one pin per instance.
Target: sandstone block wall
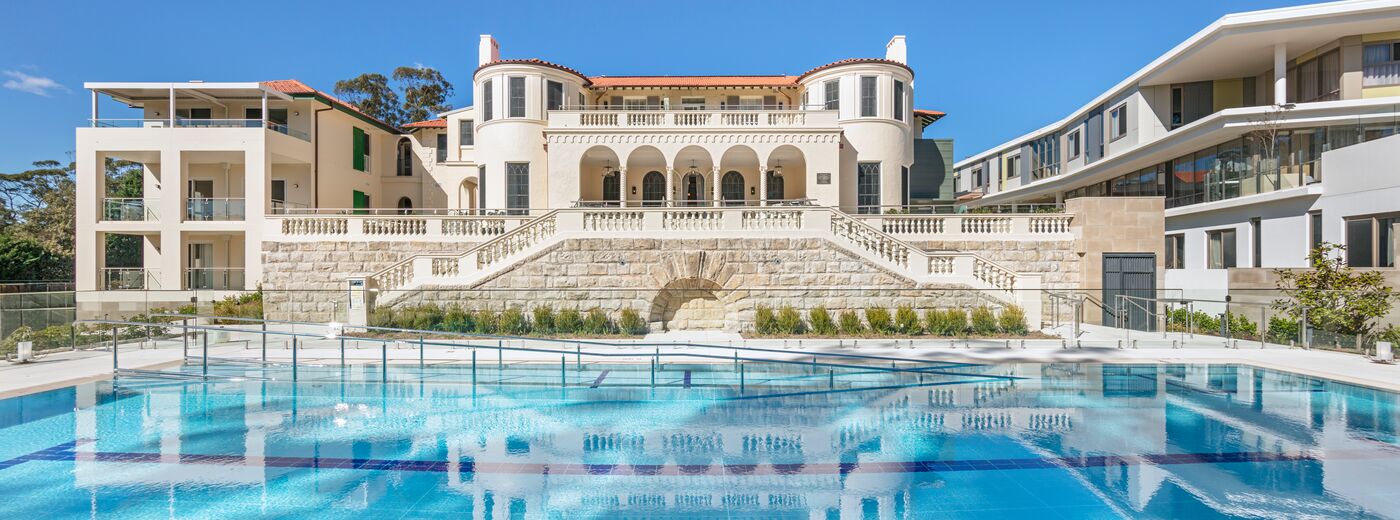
(306, 280)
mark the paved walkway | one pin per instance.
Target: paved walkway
(1094, 345)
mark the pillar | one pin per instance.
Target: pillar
(762, 184)
(670, 185)
(1280, 73)
(622, 187)
(714, 186)
(171, 109)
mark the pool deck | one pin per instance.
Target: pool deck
(1096, 346)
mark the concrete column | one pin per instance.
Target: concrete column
(714, 186)
(93, 123)
(1280, 73)
(257, 182)
(172, 215)
(670, 185)
(89, 245)
(762, 184)
(171, 108)
(264, 109)
(622, 187)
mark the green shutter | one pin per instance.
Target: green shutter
(359, 149)
(359, 201)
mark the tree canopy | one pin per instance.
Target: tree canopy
(416, 94)
(1337, 297)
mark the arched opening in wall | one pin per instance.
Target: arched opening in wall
(787, 174)
(405, 205)
(466, 195)
(692, 165)
(405, 159)
(653, 189)
(732, 188)
(690, 304)
(598, 178)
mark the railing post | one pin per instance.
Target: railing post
(264, 342)
(114, 349)
(473, 365)
(384, 361)
(185, 335)
(205, 365)
(1303, 330)
(420, 352)
(342, 353)
(294, 358)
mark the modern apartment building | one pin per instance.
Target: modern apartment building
(1266, 133)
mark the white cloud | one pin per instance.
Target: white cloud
(37, 85)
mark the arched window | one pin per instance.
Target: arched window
(405, 205)
(694, 186)
(653, 189)
(405, 158)
(775, 186)
(732, 188)
(612, 188)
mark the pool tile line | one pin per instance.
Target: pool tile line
(66, 452)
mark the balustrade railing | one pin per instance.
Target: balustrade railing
(130, 210)
(727, 118)
(130, 278)
(214, 278)
(213, 209)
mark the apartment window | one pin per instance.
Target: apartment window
(1045, 157)
(1257, 241)
(868, 187)
(693, 103)
(1318, 79)
(1385, 241)
(197, 113)
(481, 186)
(516, 101)
(442, 147)
(976, 178)
(899, 100)
(279, 191)
(554, 95)
(359, 149)
(1013, 166)
(833, 94)
(1118, 122)
(274, 115)
(517, 188)
(1220, 249)
(867, 96)
(487, 101)
(1072, 142)
(1380, 65)
(1314, 230)
(405, 162)
(1176, 251)
(464, 133)
(1359, 240)
(806, 96)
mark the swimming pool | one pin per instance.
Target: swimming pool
(709, 441)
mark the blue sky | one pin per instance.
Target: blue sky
(999, 69)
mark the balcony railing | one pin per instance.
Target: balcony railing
(214, 278)
(274, 126)
(212, 209)
(130, 279)
(672, 119)
(282, 207)
(129, 210)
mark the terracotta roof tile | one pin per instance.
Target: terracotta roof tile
(694, 81)
(533, 61)
(431, 123)
(292, 86)
(853, 61)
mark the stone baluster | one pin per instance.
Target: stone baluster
(622, 187)
(670, 185)
(714, 186)
(762, 184)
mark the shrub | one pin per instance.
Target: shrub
(789, 321)
(512, 322)
(906, 321)
(879, 320)
(380, 317)
(246, 305)
(1283, 330)
(850, 323)
(951, 322)
(764, 322)
(821, 321)
(569, 321)
(632, 323)
(485, 321)
(455, 319)
(425, 317)
(597, 322)
(1204, 323)
(984, 322)
(543, 320)
(1240, 326)
(1013, 320)
(1390, 333)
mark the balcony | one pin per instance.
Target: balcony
(212, 209)
(130, 279)
(130, 210)
(214, 278)
(201, 123)
(691, 119)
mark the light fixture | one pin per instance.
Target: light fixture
(634, 190)
(777, 169)
(608, 170)
(693, 170)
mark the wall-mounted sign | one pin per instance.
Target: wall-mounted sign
(824, 178)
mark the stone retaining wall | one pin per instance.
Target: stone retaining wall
(305, 281)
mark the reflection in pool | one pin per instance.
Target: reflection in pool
(780, 441)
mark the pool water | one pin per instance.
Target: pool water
(760, 440)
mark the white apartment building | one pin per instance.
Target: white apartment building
(1267, 132)
(222, 159)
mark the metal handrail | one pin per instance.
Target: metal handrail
(1142, 302)
(698, 203)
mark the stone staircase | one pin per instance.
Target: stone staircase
(853, 234)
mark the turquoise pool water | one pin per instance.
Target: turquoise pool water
(601, 441)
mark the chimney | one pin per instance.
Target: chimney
(895, 51)
(488, 51)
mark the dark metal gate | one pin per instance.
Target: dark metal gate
(1130, 274)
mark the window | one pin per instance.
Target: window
(1318, 79)
(1013, 166)
(976, 178)
(481, 186)
(1385, 241)
(899, 100)
(198, 113)
(612, 187)
(405, 205)
(693, 103)
(1359, 241)
(1073, 144)
(806, 99)
(517, 188)
(405, 158)
(775, 186)
(487, 101)
(516, 101)
(1380, 64)
(442, 147)
(833, 94)
(867, 96)
(634, 103)
(582, 101)
(279, 190)
(653, 189)
(1045, 157)
(1257, 251)
(464, 133)
(1314, 230)
(359, 149)
(1176, 251)
(868, 187)
(731, 188)
(554, 95)
(1220, 249)
(1118, 122)
(274, 115)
